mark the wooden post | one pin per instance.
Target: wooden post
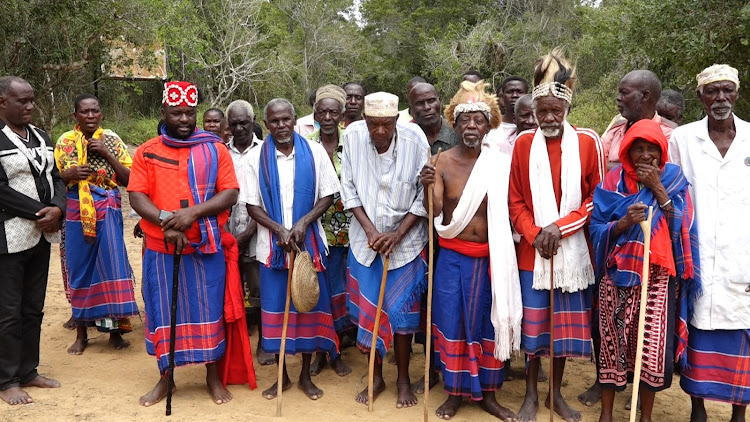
(430, 275)
(646, 227)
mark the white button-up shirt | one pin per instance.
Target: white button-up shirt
(720, 188)
(239, 219)
(387, 197)
(326, 184)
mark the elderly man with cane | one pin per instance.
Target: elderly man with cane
(380, 185)
(182, 184)
(554, 172)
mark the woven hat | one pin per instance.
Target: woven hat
(305, 287)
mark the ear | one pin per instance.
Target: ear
(163, 117)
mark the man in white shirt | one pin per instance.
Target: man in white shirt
(307, 124)
(714, 154)
(380, 185)
(289, 184)
(240, 117)
(511, 89)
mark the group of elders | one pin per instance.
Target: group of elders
(523, 201)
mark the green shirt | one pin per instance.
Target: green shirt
(336, 221)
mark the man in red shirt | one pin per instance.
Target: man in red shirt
(553, 175)
(182, 184)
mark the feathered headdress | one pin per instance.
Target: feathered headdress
(553, 75)
(473, 97)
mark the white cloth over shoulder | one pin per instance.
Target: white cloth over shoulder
(486, 180)
(570, 276)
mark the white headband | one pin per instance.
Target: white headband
(552, 88)
(472, 107)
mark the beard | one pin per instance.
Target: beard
(284, 140)
(471, 144)
(551, 131)
(720, 115)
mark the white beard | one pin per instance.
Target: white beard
(551, 132)
(284, 141)
(716, 115)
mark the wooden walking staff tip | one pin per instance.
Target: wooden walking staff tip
(282, 350)
(646, 227)
(552, 339)
(173, 327)
(430, 274)
(374, 344)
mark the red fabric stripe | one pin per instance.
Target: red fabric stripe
(464, 247)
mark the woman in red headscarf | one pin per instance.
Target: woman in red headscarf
(644, 179)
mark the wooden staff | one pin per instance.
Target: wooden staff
(646, 227)
(373, 352)
(430, 273)
(282, 350)
(173, 326)
(551, 339)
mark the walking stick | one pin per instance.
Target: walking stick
(373, 352)
(552, 339)
(646, 227)
(282, 350)
(430, 273)
(173, 326)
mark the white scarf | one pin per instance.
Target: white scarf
(573, 271)
(490, 178)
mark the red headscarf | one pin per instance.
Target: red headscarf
(649, 131)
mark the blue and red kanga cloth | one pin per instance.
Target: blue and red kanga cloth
(462, 329)
(311, 331)
(101, 279)
(401, 306)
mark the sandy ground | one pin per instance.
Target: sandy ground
(104, 384)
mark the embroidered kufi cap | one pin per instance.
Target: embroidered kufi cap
(381, 104)
(179, 93)
(331, 91)
(717, 73)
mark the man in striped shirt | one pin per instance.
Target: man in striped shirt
(553, 175)
(380, 185)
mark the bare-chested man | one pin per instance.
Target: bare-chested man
(473, 335)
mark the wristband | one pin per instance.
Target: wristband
(665, 204)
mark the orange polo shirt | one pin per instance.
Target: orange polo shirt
(161, 172)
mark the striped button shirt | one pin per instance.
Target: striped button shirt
(386, 196)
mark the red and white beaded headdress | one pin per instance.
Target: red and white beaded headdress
(179, 93)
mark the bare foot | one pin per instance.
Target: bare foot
(418, 387)
(318, 363)
(78, 347)
(273, 390)
(156, 394)
(490, 405)
(591, 396)
(339, 367)
(15, 395)
(405, 396)
(70, 324)
(42, 382)
(378, 386)
(219, 393)
(265, 358)
(528, 409)
(116, 340)
(81, 341)
(448, 409)
(310, 389)
(563, 409)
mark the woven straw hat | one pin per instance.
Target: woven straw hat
(305, 287)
